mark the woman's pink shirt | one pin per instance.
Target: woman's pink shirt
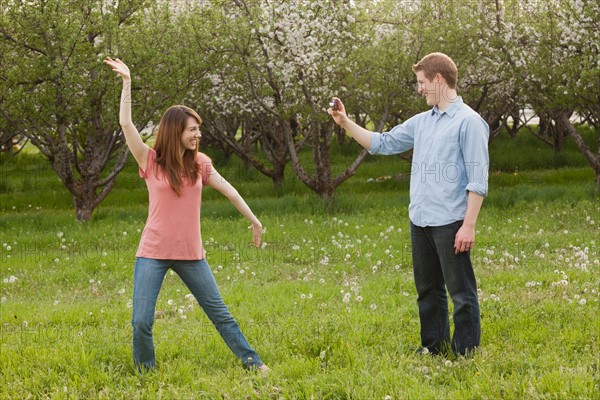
(172, 230)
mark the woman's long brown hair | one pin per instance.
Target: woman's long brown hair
(168, 145)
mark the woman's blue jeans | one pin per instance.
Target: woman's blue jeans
(436, 268)
(197, 276)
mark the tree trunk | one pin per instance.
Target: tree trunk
(594, 160)
(254, 134)
(321, 182)
(83, 209)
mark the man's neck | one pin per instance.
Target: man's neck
(449, 96)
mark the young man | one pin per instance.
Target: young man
(447, 187)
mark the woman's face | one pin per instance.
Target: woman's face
(191, 135)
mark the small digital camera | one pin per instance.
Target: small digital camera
(335, 104)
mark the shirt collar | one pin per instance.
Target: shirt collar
(456, 104)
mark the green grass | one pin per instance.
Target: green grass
(66, 289)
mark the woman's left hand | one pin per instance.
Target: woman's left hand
(257, 231)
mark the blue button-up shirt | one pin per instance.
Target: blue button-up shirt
(450, 159)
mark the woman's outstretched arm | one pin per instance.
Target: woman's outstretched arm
(216, 181)
(136, 145)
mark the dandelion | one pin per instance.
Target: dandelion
(60, 234)
(242, 271)
(8, 248)
(448, 363)
(124, 233)
(303, 296)
(582, 302)
(170, 302)
(373, 306)
(359, 299)
(346, 298)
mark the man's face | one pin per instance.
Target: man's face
(431, 90)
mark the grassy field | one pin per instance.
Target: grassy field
(328, 301)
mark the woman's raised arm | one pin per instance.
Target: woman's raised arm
(136, 145)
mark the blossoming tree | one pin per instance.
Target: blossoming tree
(563, 69)
(285, 60)
(56, 90)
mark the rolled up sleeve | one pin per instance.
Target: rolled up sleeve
(474, 146)
(398, 140)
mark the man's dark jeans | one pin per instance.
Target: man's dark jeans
(436, 268)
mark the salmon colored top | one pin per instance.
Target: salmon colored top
(172, 230)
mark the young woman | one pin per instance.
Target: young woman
(175, 173)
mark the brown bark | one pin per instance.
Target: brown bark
(593, 159)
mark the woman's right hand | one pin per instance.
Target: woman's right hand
(119, 67)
